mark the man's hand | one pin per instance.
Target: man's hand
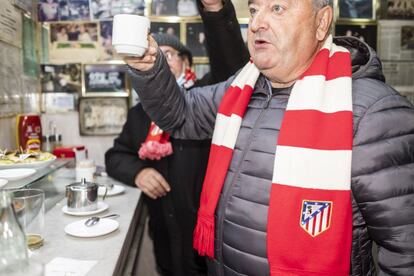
(152, 183)
(212, 5)
(147, 61)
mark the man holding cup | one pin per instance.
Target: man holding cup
(171, 175)
(311, 160)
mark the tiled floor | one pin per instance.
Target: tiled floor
(146, 261)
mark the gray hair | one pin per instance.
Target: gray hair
(319, 4)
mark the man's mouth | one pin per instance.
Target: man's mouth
(260, 43)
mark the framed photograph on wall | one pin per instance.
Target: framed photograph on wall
(74, 10)
(104, 80)
(398, 9)
(196, 39)
(102, 116)
(396, 40)
(367, 33)
(357, 9)
(107, 50)
(48, 10)
(164, 7)
(57, 78)
(166, 27)
(108, 8)
(73, 42)
(187, 8)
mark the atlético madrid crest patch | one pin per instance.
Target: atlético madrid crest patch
(316, 216)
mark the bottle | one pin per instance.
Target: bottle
(13, 253)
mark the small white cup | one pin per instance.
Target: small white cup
(130, 34)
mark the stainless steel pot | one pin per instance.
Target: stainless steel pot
(83, 196)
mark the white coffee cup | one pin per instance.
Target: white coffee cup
(130, 34)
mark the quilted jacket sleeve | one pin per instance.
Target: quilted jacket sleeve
(383, 173)
(189, 115)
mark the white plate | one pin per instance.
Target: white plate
(37, 164)
(116, 190)
(3, 182)
(103, 227)
(15, 174)
(102, 206)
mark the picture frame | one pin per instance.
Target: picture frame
(396, 40)
(102, 116)
(73, 10)
(365, 32)
(59, 102)
(47, 10)
(104, 10)
(61, 78)
(173, 28)
(164, 7)
(363, 10)
(187, 8)
(105, 80)
(73, 41)
(398, 9)
(105, 37)
(195, 40)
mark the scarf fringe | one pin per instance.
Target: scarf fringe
(154, 150)
(204, 236)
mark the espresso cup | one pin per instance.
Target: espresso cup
(130, 34)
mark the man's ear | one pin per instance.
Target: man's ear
(323, 22)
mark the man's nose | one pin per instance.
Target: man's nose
(259, 21)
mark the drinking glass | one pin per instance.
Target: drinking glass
(29, 205)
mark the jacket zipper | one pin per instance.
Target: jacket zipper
(227, 195)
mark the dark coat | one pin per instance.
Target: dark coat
(173, 217)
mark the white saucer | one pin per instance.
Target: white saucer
(102, 206)
(3, 182)
(103, 227)
(16, 174)
(116, 190)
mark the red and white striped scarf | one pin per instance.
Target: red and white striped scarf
(309, 229)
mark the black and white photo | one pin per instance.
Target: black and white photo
(104, 80)
(164, 7)
(106, 9)
(102, 116)
(196, 39)
(166, 27)
(400, 9)
(187, 8)
(74, 10)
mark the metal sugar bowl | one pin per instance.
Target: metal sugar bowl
(83, 196)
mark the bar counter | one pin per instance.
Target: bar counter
(116, 253)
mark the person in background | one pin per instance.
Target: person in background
(312, 156)
(171, 186)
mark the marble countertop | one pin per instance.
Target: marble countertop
(104, 249)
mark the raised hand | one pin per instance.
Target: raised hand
(147, 61)
(152, 183)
